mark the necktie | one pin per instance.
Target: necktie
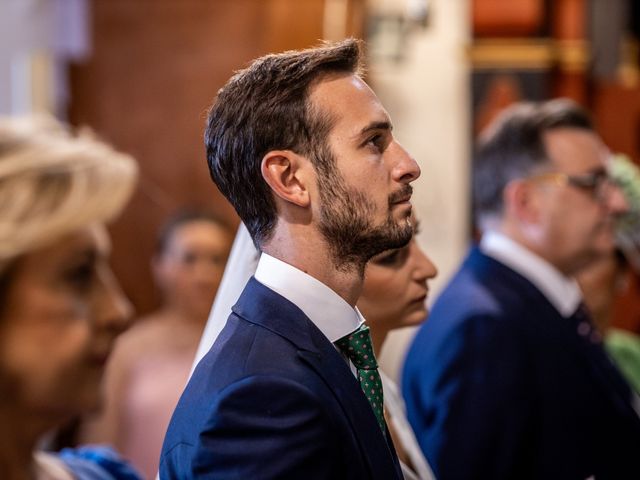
(357, 346)
(592, 341)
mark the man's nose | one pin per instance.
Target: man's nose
(405, 169)
(617, 201)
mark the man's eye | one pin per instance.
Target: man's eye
(377, 141)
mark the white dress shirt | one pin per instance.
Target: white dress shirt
(397, 415)
(333, 316)
(563, 292)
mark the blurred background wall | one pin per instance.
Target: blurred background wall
(141, 73)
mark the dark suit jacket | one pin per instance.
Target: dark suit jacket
(499, 385)
(274, 399)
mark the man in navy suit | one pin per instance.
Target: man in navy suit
(303, 150)
(508, 379)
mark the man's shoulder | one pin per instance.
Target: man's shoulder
(485, 301)
(255, 380)
(246, 359)
(244, 348)
(216, 435)
(484, 286)
(261, 305)
(273, 346)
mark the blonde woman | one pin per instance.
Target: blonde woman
(151, 362)
(61, 307)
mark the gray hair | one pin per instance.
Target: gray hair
(513, 147)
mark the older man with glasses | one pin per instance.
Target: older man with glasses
(508, 379)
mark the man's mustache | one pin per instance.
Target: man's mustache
(401, 195)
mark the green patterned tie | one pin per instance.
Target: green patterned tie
(357, 346)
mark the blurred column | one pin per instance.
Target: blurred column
(606, 32)
(425, 88)
(569, 31)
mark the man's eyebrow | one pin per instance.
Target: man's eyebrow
(380, 125)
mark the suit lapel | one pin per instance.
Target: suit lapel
(375, 448)
(262, 306)
(603, 372)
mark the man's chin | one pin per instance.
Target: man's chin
(401, 212)
(401, 218)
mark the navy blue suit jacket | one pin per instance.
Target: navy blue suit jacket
(274, 399)
(499, 385)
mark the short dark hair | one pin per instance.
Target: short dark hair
(263, 108)
(182, 217)
(513, 147)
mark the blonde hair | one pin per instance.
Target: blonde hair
(53, 182)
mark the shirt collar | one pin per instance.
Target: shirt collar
(563, 292)
(333, 316)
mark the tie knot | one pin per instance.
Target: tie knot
(357, 346)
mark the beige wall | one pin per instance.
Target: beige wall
(427, 96)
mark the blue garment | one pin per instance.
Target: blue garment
(498, 385)
(273, 399)
(97, 462)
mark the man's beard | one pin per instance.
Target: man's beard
(347, 219)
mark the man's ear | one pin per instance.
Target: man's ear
(522, 201)
(286, 173)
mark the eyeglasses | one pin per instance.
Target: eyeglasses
(598, 184)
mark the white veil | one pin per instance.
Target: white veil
(241, 265)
